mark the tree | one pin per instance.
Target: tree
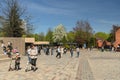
(12, 12)
(83, 32)
(101, 35)
(59, 33)
(2, 21)
(49, 36)
(29, 27)
(37, 37)
(71, 36)
(42, 36)
(111, 37)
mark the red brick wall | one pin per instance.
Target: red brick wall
(117, 37)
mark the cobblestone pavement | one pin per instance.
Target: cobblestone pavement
(96, 65)
(49, 68)
(91, 65)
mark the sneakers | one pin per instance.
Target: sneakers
(35, 69)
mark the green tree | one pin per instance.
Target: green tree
(49, 36)
(59, 33)
(42, 36)
(37, 37)
(29, 27)
(71, 36)
(111, 37)
(101, 35)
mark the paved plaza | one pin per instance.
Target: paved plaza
(91, 65)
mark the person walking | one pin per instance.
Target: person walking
(3, 47)
(71, 52)
(33, 56)
(78, 51)
(52, 50)
(62, 51)
(58, 52)
(9, 49)
(28, 54)
(47, 50)
(39, 50)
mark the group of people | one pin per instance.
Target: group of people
(14, 54)
(33, 52)
(9, 51)
(60, 50)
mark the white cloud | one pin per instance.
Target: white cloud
(108, 22)
(50, 9)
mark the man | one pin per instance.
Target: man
(33, 56)
(58, 52)
(71, 52)
(78, 51)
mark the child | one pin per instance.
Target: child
(17, 61)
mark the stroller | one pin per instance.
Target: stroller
(28, 67)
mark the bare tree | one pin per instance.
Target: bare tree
(83, 32)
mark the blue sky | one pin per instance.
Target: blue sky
(101, 14)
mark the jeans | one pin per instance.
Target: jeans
(78, 54)
(71, 54)
(33, 62)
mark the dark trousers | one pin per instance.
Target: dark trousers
(17, 65)
(71, 54)
(78, 53)
(33, 62)
(58, 54)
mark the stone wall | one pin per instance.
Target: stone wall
(16, 42)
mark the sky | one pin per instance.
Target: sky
(45, 14)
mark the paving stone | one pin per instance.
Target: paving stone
(67, 68)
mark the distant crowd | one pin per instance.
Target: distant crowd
(32, 52)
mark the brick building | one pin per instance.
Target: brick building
(117, 37)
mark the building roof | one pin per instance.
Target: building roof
(29, 40)
(41, 42)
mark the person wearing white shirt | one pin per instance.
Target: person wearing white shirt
(78, 51)
(33, 56)
(58, 52)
